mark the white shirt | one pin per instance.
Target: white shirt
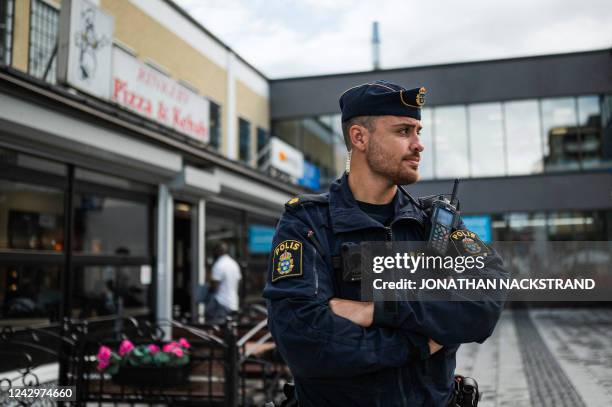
(227, 272)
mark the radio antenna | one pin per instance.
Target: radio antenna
(455, 189)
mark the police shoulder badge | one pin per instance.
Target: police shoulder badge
(287, 260)
(468, 243)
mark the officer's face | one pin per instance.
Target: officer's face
(394, 149)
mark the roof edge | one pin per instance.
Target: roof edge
(444, 65)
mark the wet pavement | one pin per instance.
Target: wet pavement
(544, 357)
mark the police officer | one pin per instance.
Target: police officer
(343, 351)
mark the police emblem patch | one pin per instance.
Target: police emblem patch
(287, 260)
(468, 243)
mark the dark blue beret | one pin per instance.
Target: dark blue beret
(382, 98)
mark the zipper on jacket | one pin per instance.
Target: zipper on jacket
(400, 376)
(389, 236)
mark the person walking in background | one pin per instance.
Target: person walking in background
(224, 285)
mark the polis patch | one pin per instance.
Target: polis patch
(287, 260)
(468, 243)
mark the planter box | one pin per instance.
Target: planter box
(152, 376)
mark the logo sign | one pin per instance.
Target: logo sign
(260, 239)
(312, 177)
(152, 94)
(285, 158)
(85, 47)
(481, 225)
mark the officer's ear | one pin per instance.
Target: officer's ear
(359, 136)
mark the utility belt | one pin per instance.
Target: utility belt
(290, 399)
(465, 392)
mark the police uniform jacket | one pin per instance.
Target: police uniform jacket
(336, 362)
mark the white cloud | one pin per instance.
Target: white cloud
(308, 37)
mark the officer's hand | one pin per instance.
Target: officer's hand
(433, 346)
(360, 313)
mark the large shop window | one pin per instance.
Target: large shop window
(30, 291)
(7, 8)
(31, 217)
(111, 290)
(105, 225)
(111, 267)
(44, 21)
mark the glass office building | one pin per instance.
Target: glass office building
(529, 137)
(495, 139)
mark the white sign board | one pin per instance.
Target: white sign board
(152, 94)
(286, 158)
(85, 47)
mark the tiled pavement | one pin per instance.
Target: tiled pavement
(544, 357)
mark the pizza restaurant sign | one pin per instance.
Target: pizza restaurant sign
(152, 94)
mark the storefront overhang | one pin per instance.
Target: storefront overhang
(196, 182)
(104, 115)
(242, 190)
(63, 137)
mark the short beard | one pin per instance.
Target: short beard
(380, 165)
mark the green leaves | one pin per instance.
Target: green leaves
(172, 354)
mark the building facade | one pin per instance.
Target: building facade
(129, 138)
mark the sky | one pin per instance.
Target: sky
(289, 38)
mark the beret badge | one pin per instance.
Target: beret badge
(420, 97)
(408, 96)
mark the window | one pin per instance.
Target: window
(111, 289)
(426, 166)
(486, 140)
(43, 41)
(245, 140)
(30, 291)
(215, 125)
(523, 140)
(561, 138)
(106, 225)
(451, 143)
(6, 30)
(262, 141)
(31, 217)
(589, 126)
(112, 241)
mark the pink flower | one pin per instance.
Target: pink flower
(104, 354)
(125, 347)
(169, 346)
(184, 344)
(178, 352)
(153, 349)
(102, 364)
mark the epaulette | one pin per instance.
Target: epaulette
(426, 202)
(321, 199)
